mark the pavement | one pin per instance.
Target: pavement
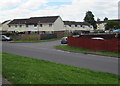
(45, 51)
(5, 82)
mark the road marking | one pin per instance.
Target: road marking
(63, 51)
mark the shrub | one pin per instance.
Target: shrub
(30, 37)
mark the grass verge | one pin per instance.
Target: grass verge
(74, 49)
(24, 70)
(36, 40)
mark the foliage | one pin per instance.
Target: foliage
(30, 37)
(90, 19)
(105, 19)
(98, 19)
(9, 34)
(112, 25)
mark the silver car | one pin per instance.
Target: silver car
(5, 38)
(64, 40)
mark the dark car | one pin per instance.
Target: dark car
(5, 38)
(64, 40)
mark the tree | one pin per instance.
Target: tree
(89, 18)
(105, 19)
(112, 25)
(98, 19)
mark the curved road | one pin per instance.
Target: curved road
(45, 51)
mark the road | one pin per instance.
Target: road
(45, 51)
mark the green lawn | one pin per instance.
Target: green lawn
(37, 40)
(24, 70)
(74, 49)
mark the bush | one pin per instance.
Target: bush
(47, 36)
(30, 37)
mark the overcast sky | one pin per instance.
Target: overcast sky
(68, 9)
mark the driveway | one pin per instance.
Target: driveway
(45, 51)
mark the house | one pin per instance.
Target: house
(101, 24)
(45, 25)
(4, 25)
(48, 24)
(72, 26)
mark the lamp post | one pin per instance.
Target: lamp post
(119, 10)
(38, 26)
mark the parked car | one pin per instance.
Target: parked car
(64, 40)
(98, 38)
(5, 38)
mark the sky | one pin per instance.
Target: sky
(69, 10)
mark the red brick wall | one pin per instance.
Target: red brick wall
(112, 45)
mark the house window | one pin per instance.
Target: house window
(83, 26)
(72, 26)
(15, 25)
(43, 32)
(41, 25)
(78, 26)
(9, 26)
(65, 26)
(91, 26)
(50, 32)
(50, 25)
(20, 25)
(35, 25)
(26, 25)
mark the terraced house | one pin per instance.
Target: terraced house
(4, 25)
(101, 24)
(72, 26)
(45, 25)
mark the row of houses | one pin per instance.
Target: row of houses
(47, 24)
(101, 24)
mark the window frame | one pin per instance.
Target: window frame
(41, 25)
(50, 25)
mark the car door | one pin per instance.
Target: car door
(3, 38)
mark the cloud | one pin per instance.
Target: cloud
(33, 4)
(8, 3)
(100, 8)
(74, 11)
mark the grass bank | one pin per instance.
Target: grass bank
(36, 40)
(74, 49)
(24, 70)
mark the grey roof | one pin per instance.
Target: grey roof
(35, 20)
(115, 20)
(5, 22)
(75, 23)
(100, 22)
(47, 19)
(19, 21)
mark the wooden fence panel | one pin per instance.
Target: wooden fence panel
(112, 45)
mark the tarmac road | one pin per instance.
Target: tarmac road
(45, 51)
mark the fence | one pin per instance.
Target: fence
(112, 45)
(47, 36)
(33, 36)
